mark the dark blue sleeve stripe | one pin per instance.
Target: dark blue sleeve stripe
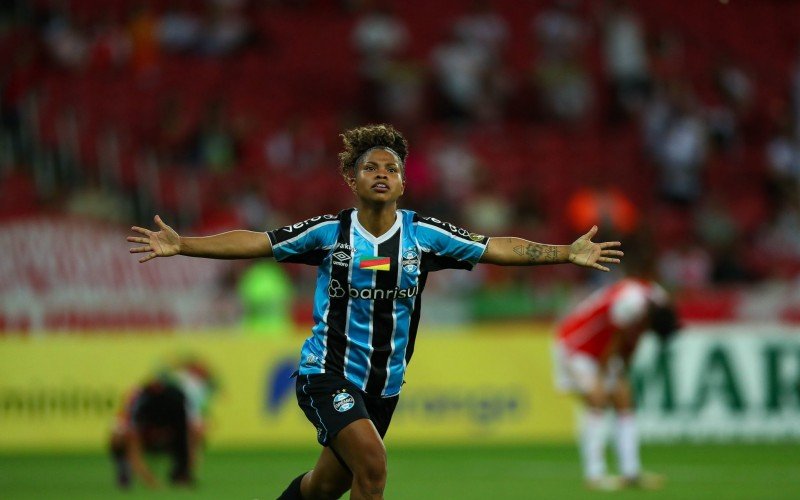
(290, 232)
(310, 240)
(444, 244)
(450, 229)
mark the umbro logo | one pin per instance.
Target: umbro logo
(341, 259)
(341, 256)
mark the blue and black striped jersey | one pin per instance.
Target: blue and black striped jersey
(368, 293)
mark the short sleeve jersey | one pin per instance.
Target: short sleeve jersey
(367, 301)
(590, 328)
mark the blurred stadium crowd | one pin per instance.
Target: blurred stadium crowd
(664, 122)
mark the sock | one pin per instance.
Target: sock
(627, 443)
(593, 444)
(292, 492)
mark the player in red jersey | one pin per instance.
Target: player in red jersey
(595, 344)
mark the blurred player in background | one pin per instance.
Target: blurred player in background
(163, 415)
(594, 348)
(372, 264)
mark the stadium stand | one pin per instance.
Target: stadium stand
(97, 106)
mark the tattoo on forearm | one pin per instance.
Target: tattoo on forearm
(538, 254)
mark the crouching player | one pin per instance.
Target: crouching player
(162, 416)
(595, 344)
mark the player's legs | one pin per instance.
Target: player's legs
(362, 449)
(360, 446)
(582, 375)
(627, 439)
(625, 435)
(593, 432)
(181, 473)
(328, 479)
(171, 417)
(350, 424)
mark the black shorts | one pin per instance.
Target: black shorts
(331, 403)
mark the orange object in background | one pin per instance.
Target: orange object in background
(144, 42)
(607, 207)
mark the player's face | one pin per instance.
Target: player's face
(379, 178)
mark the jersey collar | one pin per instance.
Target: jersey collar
(398, 221)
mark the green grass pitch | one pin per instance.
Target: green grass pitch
(741, 471)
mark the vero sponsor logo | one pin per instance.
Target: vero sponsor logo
(300, 225)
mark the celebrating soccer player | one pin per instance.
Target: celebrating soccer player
(372, 262)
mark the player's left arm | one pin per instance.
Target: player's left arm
(510, 251)
(136, 458)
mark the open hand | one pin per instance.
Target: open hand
(163, 243)
(584, 252)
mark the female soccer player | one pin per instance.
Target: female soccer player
(373, 261)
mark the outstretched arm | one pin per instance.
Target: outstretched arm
(166, 242)
(583, 252)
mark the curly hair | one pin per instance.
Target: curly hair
(359, 140)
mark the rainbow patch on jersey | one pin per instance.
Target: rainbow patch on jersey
(374, 263)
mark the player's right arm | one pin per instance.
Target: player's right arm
(239, 244)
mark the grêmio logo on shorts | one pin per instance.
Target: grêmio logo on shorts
(337, 291)
(343, 402)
